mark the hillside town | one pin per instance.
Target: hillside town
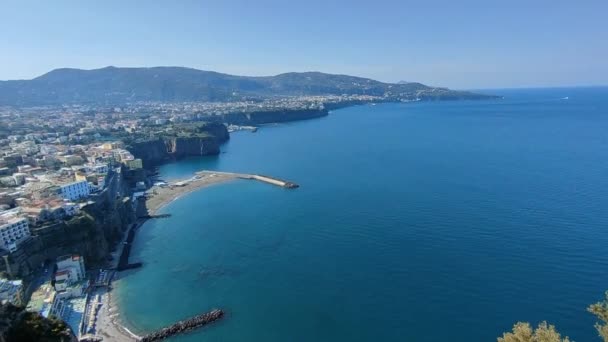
(82, 123)
(46, 181)
(43, 180)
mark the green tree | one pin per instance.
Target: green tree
(523, 332)
(600, 310)
(16, 324)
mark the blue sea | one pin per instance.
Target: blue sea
(428, 221)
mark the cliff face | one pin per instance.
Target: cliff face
(264, 117)
(200, 141)
(89, 234)
(79, 235)
(151, 152)
(158, 151)
(216, 130)
(192, 146)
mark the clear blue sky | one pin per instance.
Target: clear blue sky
(459, 44)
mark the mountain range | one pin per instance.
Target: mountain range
(113, 85)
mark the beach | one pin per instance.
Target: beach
(109, 325)
(158, 196)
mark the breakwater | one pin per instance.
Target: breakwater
(261, 178)
(184, 326)
(275, 181)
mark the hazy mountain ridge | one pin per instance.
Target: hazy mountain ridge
(178, 84)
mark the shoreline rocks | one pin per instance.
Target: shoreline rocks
(184, 326)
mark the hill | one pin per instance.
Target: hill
(112, 85)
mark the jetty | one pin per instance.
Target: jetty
(184, 326)
(275, 181)
(261, 178)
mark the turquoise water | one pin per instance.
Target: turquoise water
(414, 222)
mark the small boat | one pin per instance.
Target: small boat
(565, 98)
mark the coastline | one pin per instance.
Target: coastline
(159, 197)
(109, 325)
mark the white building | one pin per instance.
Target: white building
(101, 168)
(63, 279)
(74, 264)
(14, 229)
(98, 168)
(75, 190)
(69, 276)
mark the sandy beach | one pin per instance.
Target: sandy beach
(159, 196)
(108, 324)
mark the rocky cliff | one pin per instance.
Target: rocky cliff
(151, 152)
(264, 117)
(191, 146)
(100, 225)
(163, 149)
(189, 140)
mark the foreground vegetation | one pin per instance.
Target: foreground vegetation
(16, 324)
(523, 331)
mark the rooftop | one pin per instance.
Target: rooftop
(67, 257)
(10, 216)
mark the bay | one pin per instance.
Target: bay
(414, 222)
